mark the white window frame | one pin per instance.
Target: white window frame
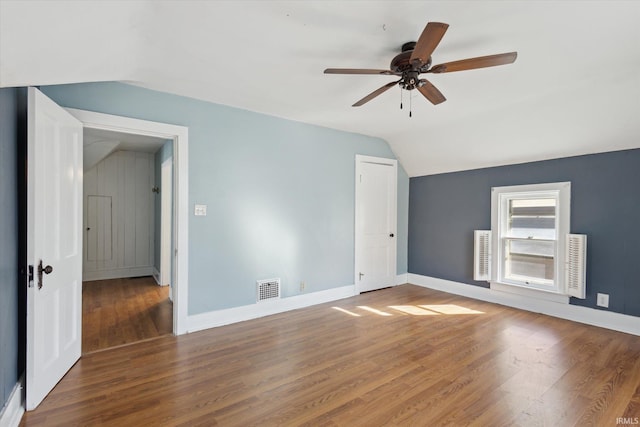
(500, 196)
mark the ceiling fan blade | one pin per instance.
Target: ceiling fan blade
(358, 71)
(431, 92)
(428, 41)
(473, 63)
(375, 93)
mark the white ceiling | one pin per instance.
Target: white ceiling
(574, 89)
(126, 141)
(98, 144)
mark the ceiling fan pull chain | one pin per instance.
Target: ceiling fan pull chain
(410, 104)
(401, 98)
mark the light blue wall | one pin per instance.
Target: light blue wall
(280, 194)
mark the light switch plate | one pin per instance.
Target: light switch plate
(200, 210)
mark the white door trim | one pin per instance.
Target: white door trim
(360, 160)
(180, 137)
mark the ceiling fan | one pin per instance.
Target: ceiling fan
(415, 59)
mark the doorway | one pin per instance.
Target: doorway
(125, 297)
(180, 156)
(54, 233)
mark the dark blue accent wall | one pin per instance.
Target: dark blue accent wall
(9, 299)
(444, 210)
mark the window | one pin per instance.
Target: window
(530, 224)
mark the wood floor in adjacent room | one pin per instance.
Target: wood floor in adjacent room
(399, 356)
(123, 311)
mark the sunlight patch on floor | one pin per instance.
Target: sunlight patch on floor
(374, 310)
(350, 313)
(413, 310)
(450, 309)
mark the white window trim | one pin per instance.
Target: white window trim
(561, 190)
(529, 292)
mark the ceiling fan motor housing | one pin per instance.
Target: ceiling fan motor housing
(410, 70)
(400, 63)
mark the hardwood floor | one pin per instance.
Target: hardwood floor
(399, 356)
(122, 311)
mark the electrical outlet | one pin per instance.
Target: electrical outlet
(302, 286)
(603, 300)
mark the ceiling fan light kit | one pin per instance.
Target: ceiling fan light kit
(415, 59)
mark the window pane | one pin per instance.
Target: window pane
(532, 218)
(531, 248)
(529, 260)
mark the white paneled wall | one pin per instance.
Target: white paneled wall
(118, 217)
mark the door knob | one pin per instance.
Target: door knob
(46, 270)
(391, 235)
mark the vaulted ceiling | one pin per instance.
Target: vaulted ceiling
(574, 89)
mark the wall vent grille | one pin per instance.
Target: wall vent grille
(482, 255)
(268, 289)
(576, 270)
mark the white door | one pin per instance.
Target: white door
(166, 219)
(54, 245)
(375, 240)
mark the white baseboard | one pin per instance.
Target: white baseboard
(156, 276)
(12, 412)
(401, 279)
(120, 273)
(576, 313)
(227, 316)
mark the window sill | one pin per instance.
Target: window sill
(531, 293)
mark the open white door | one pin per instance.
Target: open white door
(54, 245)
(166, 220)
(376, 212)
